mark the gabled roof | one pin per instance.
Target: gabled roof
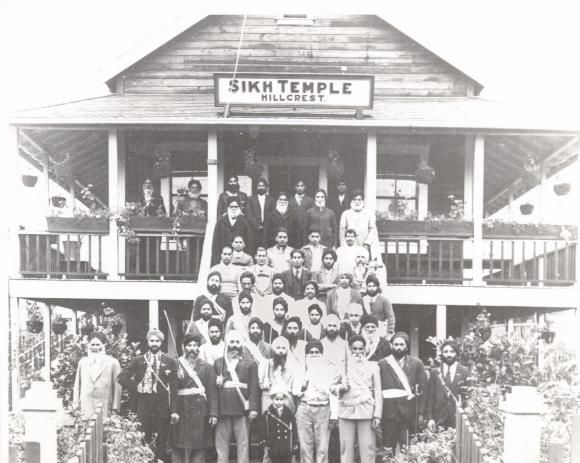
(151, 43)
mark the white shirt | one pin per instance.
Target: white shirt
(451, 369)
(342, 301)
(210, 352)
(299, 199)
(262, 201)
(346, 256)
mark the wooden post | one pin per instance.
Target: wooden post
(39, 408)
(468, 177)
(15, 351)
(46, 315)
(371, 173)
(523, 425)
(478, 166)
(111, 243)
(414, 337)
(575, 440)
(120, 199)
(153, 314)
(441, 322)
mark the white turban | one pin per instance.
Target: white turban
(354, 307)
(281, 341)
(331, 318)
(233, 334)
(154, 332)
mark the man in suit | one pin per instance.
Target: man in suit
(220, 303)
(152, 377)
(258, 207)
(375, 303)
(447, 385)
(403, 381)
(232, 191)
(300, 203)
(238, 399)
(340, 201)
(339, 298)
(227, 227)
(295, 279)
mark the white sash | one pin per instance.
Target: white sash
(192, 374)
(402, 377)
(219, 309)
(236, 379)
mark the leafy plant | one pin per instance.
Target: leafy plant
(424, 173)
(426, 447)
(124, 442)
(70, 436)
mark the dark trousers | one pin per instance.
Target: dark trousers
(334, 446)
(397, 430)
(284, 459)
(153, 421)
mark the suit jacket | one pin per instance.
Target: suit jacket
(382, 349)
(440, 404)
(382, 309)
(224, 233)
(154, 208)
(255, 213)
(94, 384)
(274, 220)
(415, 372)
(332, 301)
(133, 374)
(300, 210)
(337, 207)
(223, 203)
(229, 402)
(294, 287)
(222, 300)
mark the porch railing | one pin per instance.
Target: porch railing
(91, 447)
(49, 255)
(468, 446)
(163, 256)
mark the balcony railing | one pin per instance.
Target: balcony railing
(61, 255)
(163, 256)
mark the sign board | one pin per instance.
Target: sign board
(294, 90)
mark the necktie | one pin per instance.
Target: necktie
(448, 376)
(297, 275)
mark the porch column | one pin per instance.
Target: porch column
(576, 194)
(441, 322)
(15, 351)
(153, 314)
(47, 316)
(12, 247)
(544, 191)
(111, 243)
(371, 172)
(478, 166)
(468, 177)
(414, 336)
(120, 198)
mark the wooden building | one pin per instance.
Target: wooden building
(161, 121)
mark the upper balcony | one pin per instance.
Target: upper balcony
(427, 238)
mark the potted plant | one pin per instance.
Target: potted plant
(500, 229)
(29, 180)
(58, 201)
(335, 165)
(59, 324)
(424, 173)
(562, 189)
(116, 324)
(107, 310)
(526, 208)
(252, 167)
(35, 322)
(87, 325)
(96, 221)
(547, 334)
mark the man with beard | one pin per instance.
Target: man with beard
(291, 332)
(346, 253)
(353, 326)
(277, 373)
(193, 202)
(378, 305)
(363, 222)
(259, 205)
(301, 307)
(360, 404)
(200, 327)
(152, 377)
(278, 290)
(275, 326)
(339, 298)
(299, 203)
(197, 406)
(221, 304)
(340, 201)
(229, 273)
(238, 397)
(327, 278)
(447, 384)
(317, 411)
(239, 320)
(152, 204)
(255, 348)
(228, 227)
(215, 348)
(403, 381)
(232, 192)
(377, 347)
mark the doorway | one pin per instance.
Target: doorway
(283, 174)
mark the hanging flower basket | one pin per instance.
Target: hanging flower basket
(59, 325)
(424, 173)
(87, 329)
(34, 325)
(58, 201)
(526, 209)
(29, 180)
(335, 166)
(562, 189)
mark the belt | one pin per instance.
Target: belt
(232, 384)
(316, 404)
(191, 391)
(395, 394)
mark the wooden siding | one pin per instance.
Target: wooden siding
(361, 44)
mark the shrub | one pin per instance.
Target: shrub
(427, 447)
(124, 442)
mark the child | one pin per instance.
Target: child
(279, 435)
(239, 257)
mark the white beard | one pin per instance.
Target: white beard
(282, 209)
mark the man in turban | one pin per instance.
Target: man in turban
(377, 346)
(214, 349)
(339, 298)
(238, 398)
(152, 377)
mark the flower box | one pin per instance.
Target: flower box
(29, 180)
(505, 230)
(77, 224)
(421, 228)
(187, 224)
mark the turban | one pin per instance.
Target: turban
(331, 318)
(347, 274)
(154, 332)
(451, 343)
(354, 307)
(214, 273)
(100, 336)
(257, 321)
(314, 343)
(281, 341)
(245, 295)
(315, 307)
(369, 319)
(214, 322)
(278, 388)
(233, 334)
(401, 334)
(295, 320)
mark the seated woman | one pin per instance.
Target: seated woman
(193, 203)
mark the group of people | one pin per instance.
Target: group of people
(291, 345)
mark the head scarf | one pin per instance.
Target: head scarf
(404, 336)
(281, 341)
(154, 332)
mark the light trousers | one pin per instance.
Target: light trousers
(238, 425)
(349, 431)
(313, 432)
(187, 455)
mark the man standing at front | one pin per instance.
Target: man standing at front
(403, 381)
(238, 399)
(152, 377)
